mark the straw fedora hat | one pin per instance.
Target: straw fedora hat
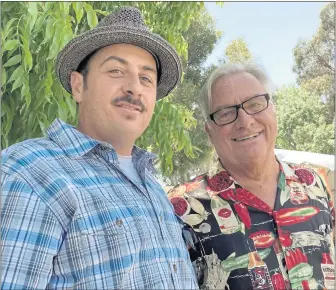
(123, 26)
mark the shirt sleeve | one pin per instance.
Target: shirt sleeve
(30, 236)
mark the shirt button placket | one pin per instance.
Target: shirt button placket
(175, 268)
(119, 222)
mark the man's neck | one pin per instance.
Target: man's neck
(122, 144)
(258, 172)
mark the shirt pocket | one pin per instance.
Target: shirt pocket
(103, 219)
(106, 240)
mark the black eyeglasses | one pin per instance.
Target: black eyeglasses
(252, 106)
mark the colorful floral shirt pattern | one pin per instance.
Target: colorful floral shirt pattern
(244, 244)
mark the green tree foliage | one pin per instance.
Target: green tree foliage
(315, 61)
(201, 37)
(302, 122)
(237, 51)
(32, 35)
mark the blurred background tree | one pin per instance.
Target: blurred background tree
(315, 61)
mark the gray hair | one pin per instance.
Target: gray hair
(226, 70)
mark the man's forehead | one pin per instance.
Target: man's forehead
(125, 49)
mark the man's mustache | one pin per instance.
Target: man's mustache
(129, 100)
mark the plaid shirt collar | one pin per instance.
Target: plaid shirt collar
(75, 144)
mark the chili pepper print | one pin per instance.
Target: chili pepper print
(246, 197)
(295, 257)
(278, 282)
(305, 285)
(291, 216)
(228, 195)
(302, 257)
(262, 239)
(285, 238)
(289, 261)
(243, 214)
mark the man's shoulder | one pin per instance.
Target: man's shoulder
(23, 154)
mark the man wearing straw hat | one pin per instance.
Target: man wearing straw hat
(81, 208)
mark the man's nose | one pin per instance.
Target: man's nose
(244, 120)
(133, 87)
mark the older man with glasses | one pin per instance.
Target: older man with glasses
(255, 222)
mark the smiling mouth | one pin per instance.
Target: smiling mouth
(247, 137)
(129, 107)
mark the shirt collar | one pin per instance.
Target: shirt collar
(75, 143)
(289, 172)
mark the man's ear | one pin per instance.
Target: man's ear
(77, 86)
(207, 129)
(273, 107)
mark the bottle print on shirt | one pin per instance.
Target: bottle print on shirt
(258, 270)
(327, 267)
(226, 219)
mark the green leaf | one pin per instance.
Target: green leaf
(18, 82)
(8, 121)
(32, 10)
(13, 60)
(39, 22)
(71, 104)
(78, 7)
(62, 113)
(49, 31)
(91, 16)
(30, 123)
(17, 72)
(65, 7)
(4, 109)
(10, 44)
(7, 27)
(43, 127)
(105, 13)
(52, 110)
(25, 92)
(3, 76)
(28, 59)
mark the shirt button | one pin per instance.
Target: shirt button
(119, 222)
(175, 267)
(161, 218)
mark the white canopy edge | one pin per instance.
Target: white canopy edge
(297, 157)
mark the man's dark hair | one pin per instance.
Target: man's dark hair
(83, 67)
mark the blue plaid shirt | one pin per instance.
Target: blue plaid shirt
(71, 218)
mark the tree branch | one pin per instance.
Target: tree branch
(322, 61)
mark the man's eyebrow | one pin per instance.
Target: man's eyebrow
(124, 61)
(113, 57)
(149, 68)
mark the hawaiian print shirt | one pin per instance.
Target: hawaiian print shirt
(241, 243)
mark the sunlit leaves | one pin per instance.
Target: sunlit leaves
(237, 51)
(315, 61)
(301, 122)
